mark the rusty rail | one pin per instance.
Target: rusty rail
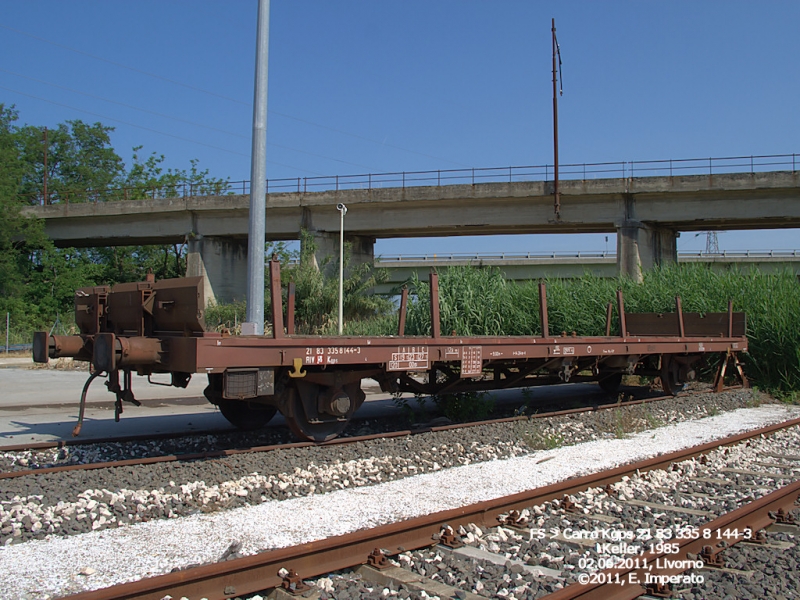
(737, 526)
(259, 572)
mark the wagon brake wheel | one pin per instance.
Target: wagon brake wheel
(671, 379)
(326, 427)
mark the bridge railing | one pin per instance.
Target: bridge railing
(398, 259)
(439, 177)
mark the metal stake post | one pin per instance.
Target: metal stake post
(342, 212)
(256, 238)
(45, 195)
(8, 321)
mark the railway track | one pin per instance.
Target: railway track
(700, 529)
(37, 455)
(451, 518)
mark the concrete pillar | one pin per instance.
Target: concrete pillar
(223, 264)
(641, 247)
(362, 250)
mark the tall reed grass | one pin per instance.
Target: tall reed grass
(480, 301)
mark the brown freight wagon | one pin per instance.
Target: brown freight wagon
(315, 382)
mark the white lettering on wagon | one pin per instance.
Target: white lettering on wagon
(472, 361)
(327, 355)
(409, 358)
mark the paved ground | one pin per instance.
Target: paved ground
(42, 405)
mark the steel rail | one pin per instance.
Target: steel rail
(291, 445)
(260, 571)
(721, 533)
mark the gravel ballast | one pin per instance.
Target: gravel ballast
(43, 568)
(82, 501)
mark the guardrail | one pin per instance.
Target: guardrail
(387, 260)
(439, 177)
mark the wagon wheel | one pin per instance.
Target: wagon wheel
(244, 415)
(322, 427)
(610, 382)
(671, 379)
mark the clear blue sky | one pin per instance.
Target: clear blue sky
(358, 86)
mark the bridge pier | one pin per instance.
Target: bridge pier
(362, 250)
(641, 247)
(222, 262)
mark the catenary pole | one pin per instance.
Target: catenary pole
(256, 238)
(556, 192)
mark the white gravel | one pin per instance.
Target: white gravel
(52, 567)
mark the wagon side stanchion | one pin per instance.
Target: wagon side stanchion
(609, 313)
(543, 310)
(436, 326)
(730, 318)
(401, 317)
(290, 297)
(275, 295)
(623, 326)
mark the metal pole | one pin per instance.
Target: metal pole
(45, 197)
(342, 212)
(8, 321)
(258, 174)
(556, 195)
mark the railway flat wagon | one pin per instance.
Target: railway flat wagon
(315, 382)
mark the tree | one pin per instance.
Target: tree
(148, 179)
(37, 280)
(20, 237)
(81, 164)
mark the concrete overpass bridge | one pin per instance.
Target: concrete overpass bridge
(646, 204)
(531, 266)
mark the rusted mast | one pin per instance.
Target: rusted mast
(556, 194)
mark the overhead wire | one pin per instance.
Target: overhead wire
(224, 97)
